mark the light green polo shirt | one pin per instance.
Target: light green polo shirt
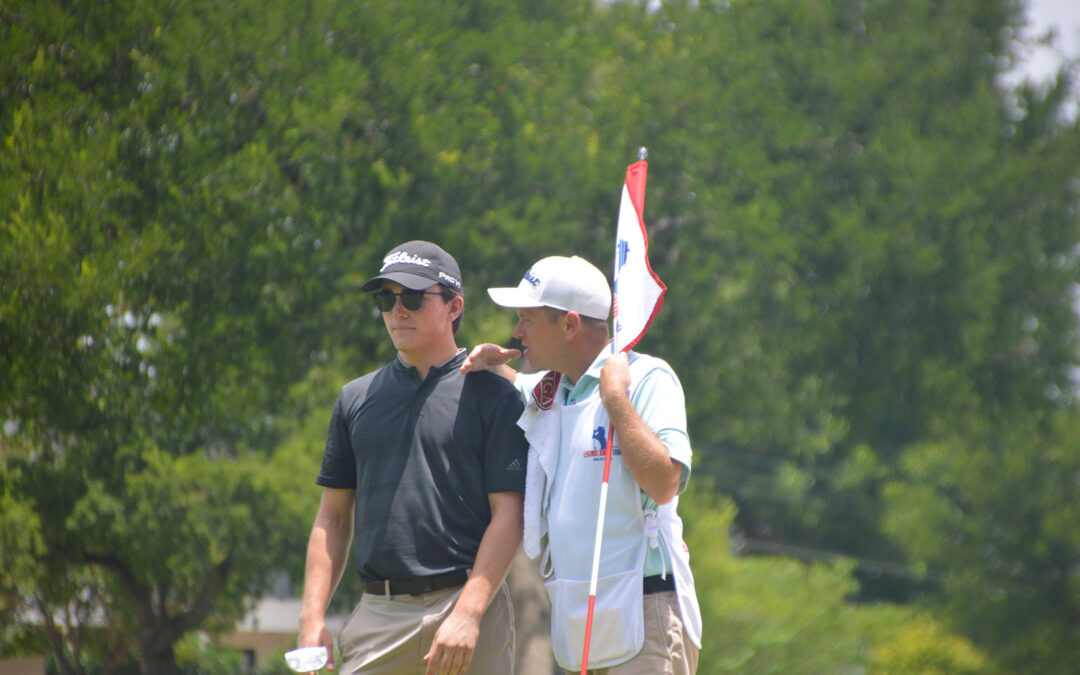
(661, 404)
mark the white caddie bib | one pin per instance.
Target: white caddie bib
(573, 501)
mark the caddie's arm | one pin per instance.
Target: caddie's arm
(327, 554)
(488, 356)
(646, 457)
(454, 643)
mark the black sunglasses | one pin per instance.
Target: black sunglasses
(410, 299)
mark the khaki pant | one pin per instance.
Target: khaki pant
(390, 636)
(667, 649)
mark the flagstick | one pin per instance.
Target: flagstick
(642, 155)
(597, 543)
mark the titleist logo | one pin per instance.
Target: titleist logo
(403, 257)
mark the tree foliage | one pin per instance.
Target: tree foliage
(161, 287)
(995, 506)
(869, 246)
(781, 615)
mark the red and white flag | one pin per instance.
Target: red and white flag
(638, 291)
(639, 294)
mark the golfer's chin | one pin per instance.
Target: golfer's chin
(404, 341)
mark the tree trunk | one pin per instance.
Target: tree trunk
(161, 661)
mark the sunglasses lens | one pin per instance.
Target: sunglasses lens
(412, 300)
(384, 300)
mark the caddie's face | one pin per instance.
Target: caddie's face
(540, 335)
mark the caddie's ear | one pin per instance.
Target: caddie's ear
(571, 323)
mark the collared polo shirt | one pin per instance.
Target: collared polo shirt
(423, 456)
(659, 400)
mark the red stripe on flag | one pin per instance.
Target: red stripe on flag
(636, 174)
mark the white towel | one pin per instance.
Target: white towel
(543, 430)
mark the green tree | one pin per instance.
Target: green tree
(849, 264)
(993, 506)
(866, 241)
(861, 246)
(161, 288)
(190, 195)
(20, 546)
(766, 614)
(869, 248)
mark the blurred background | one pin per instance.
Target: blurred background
(865, 211)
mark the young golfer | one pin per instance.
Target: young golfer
(423, 473)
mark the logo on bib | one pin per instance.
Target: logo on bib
(599, 445)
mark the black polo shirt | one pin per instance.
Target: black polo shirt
(423, 457)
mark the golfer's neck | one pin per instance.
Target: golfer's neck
(424, 361)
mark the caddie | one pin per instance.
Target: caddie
(646, 616)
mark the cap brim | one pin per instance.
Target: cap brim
(513, 297)
(413, 282)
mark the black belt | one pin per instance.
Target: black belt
(658, 584)
(417, 585)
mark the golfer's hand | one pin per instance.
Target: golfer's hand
(316, 636)
(488, 356)
(452, 649)
(614, 378)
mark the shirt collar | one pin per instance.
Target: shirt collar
(453, 363)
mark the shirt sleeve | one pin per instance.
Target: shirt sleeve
(659, 401)
(338, 463)
(525, 382)
(506, 450)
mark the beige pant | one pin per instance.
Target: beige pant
(667, 649)
(390, 636)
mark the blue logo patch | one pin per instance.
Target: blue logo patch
(531, 278)
(599, 437)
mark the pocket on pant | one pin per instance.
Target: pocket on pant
(618, 629)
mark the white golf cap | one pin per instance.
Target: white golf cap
(570, 284)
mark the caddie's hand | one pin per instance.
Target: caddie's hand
(452, 649)
(488, 356)
(614, 378)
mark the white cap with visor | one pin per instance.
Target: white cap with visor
(570, 284)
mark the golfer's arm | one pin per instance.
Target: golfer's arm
(327, 553)
(645, 455)
(497, 548)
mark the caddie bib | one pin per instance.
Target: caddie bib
(573, 502)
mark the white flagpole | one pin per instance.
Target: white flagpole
(598, 541)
